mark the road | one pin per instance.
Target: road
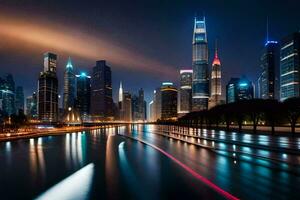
(151, 162)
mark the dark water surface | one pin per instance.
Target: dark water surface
(112, 166)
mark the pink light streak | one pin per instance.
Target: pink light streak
(204, 180)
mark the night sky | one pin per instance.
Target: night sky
(144, 42)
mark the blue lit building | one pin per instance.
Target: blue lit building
(69, 86)
(239, 89)
(267, 83)
(200, 80)
(7, 95)
(290, 66)
(83, 100)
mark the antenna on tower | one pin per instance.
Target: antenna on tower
(216, 47)
(267, 28)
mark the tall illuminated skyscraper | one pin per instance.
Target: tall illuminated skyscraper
(168, 101)
(7, 95)
(48, 90)
(215, 87)
(200, 87)
(185, 91)
(83, 102)
(69, 86)
(290, 66)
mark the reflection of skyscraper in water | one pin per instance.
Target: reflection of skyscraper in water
(200, 87)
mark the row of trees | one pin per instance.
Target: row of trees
(268, 112)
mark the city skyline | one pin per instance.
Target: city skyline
(216, 23)
(157, 99)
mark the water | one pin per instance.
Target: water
(109, 166)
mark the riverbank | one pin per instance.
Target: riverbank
(46, 132)
(261, 130)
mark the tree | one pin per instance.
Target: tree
(292, 109)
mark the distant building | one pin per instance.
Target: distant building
(7, 95)
(101, 92)
(267, 83)
(19, 99)
(156, 104)
(31, 106)
(290, 66)
(69, 86)
(215, 87)
(48, 90)
(127, 109)
(151, 112)
(185, 92)
(200, 85)
(83, 100)
(138, 107)
(239, 89)
(168, 101)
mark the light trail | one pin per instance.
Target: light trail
(204, 180)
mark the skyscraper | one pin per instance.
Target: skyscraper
(7, 94)
(69, 86)
(185, 91)
(101, 92)
(239, 89)
(200, 85)
(168, 101)
(127, 109)
(48, 90)
(151, 112)
(31, 106)
(19, 99)
(215, 88)
(290, 66)
(83, 100)
(267, 83)
(157, 104)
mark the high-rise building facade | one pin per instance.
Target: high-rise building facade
(185, 92)
(101, 92)
(69, 86)
(215, 86)
(19, 99)
(239, 89)
(127, 107)
(151, 112)
(83, 100)
(138, 106)
(156, 104)
(48, 90)
(290, 66)
(7, 95)
(200, 87)
(267, 83)
(168, 101)
(31, 106)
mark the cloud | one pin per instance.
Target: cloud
(55, 36)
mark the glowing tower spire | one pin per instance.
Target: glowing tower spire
(200, 80)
